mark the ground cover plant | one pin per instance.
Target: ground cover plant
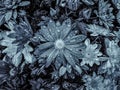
(59, 44)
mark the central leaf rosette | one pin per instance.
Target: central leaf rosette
(60, 45)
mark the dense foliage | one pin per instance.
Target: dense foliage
(59, 45)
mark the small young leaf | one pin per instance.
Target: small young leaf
(62, 71)
(8, 15)
(24, 3)
(17, 59)
(28, 57)
(1, 19)
(15, 14)
(78, 69)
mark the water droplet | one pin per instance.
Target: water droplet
(49, 36)
(50, 20)
(68, 25)
(76, 32)
(70, 56)
(68, 37)
(44, 26)
(58, 30)
(50, 30)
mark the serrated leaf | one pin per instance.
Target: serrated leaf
(105, 14)
(116, 3)
(98, 30)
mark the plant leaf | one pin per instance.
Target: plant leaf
(62, 71)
